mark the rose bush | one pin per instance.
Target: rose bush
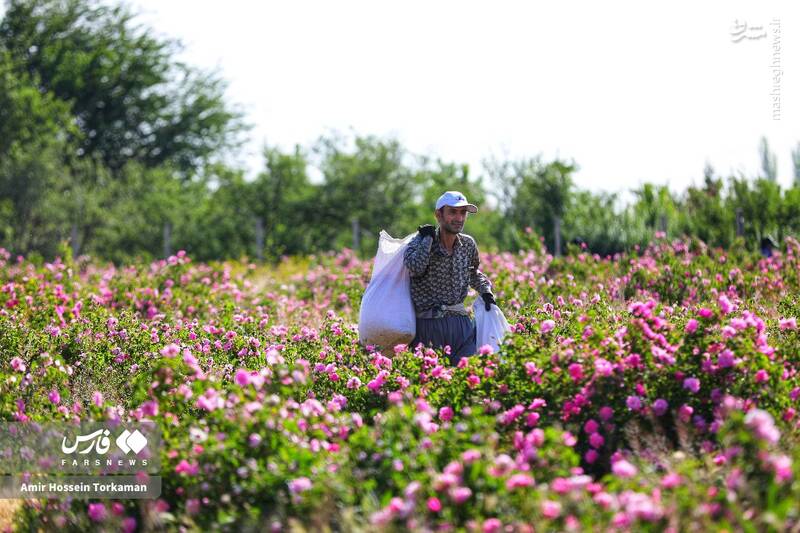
(652, 391)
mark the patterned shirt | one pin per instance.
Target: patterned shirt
(440, 278)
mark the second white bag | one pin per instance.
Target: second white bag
(387, 315)
(491, 325)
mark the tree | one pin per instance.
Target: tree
(534, 193)
(221, 224)
(369, 182)
(33, 173)
(705, 214)
(28, 115)
(760, 206)
(287, 203)
(654, 202)
(130, 98)
(789, 214)
(769, 161)
(595, 220)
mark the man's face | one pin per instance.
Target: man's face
(452, 219)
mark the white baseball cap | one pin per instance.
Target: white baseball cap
(455, 199)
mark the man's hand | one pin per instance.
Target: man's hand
(488, 299)
(426, 229)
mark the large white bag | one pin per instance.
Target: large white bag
(387, 315)
(491, 325)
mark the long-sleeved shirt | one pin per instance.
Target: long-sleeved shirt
(438, 278)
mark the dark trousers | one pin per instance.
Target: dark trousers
(458, 332)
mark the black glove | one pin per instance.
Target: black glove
(489, 300)
(426, 229)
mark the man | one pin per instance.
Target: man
(444, 263)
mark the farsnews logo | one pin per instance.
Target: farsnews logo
(88, 448)
(99, 442)
(131, 442)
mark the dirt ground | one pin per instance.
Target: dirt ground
(7, 510)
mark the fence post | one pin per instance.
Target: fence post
(73, 238)
(662, 224)
(260, 238)
(167, 239)
(739, 222)
(557, 235)
(356, 235)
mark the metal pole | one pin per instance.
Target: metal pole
(73, 237)
(356, 235)
(557, 235)
(167, 239)
(739, 222)
(260, 238)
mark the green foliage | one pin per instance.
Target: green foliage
(535, 193)
(130, 98)
(107, 141)
(369, 183)
(288, 204)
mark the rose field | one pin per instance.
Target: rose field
(645, 392)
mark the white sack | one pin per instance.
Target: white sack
(491, 325)
(387, 315)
